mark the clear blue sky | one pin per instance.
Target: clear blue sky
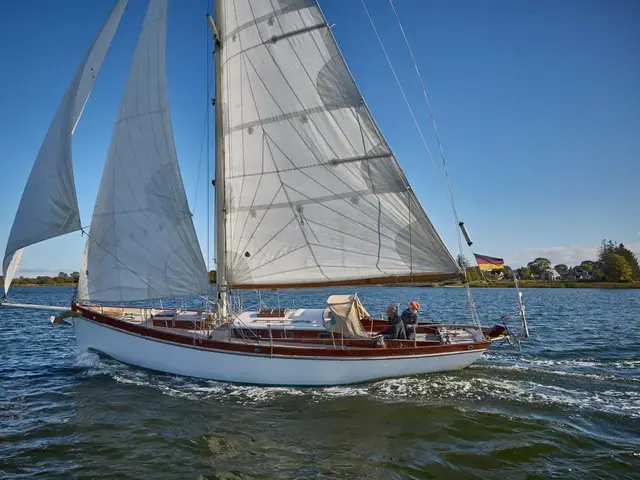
(537, 104)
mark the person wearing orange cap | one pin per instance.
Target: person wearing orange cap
(410, 316)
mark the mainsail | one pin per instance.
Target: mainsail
(142, 243)
(314, 194)
(49, 207)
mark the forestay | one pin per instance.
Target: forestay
(49, 207)
(314, 195)
(142, 243)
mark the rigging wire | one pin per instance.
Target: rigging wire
(472, 306)
(395, 75)
(208, 129)
(431, 114)
(204, 137)
(415, 120)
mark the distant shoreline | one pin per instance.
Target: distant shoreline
(490, 284)
(541, 284)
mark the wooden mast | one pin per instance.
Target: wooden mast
(220, 209)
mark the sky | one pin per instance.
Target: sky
(537, 105)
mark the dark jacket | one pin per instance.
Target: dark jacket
(395, 330)
(409, 318)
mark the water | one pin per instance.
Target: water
(568, 406)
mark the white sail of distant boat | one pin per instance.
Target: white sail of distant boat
(308, 194)
(142, 243)
(49, 206)
(314, 194)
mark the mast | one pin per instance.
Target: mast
(220, 210)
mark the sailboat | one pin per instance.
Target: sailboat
(308, 194)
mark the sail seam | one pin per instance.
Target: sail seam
(342, 232)
(373, 189)
(281, 230)
(335, 211)
(333, 118)
(330, 111)
(246, 246)
(313, 255)
(300, 247)
(255, 194)
(328, 190)
(295, 129)
(311, 80)
(302, 138)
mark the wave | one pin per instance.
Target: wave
(631, 364)
(465, 389)
(526, 369)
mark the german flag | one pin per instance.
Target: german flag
(489, 263)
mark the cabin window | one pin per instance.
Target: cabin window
(287, 335)
(324, 336)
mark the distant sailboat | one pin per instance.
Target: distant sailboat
(308, 194)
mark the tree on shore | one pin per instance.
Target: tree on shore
(562, 269)
(615, 268)
(508, 272)
(539, 265)
(631, 259)
(523, 273)
(610, 267)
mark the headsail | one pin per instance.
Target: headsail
(142, 243)
(314, 194)
(12, 267)
(49, 207)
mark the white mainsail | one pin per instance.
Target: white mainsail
(49, 207)
(314, 194)
(142, 243)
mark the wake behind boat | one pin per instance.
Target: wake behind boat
(308, 194)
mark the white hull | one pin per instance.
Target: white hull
(193, 361)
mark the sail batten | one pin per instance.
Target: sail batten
(314, 195)
(49, 206)
(142, 243)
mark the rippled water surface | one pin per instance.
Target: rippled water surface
(567, 406)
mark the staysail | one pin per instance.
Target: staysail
(49, 207)
(142, 243)
(314, 194)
